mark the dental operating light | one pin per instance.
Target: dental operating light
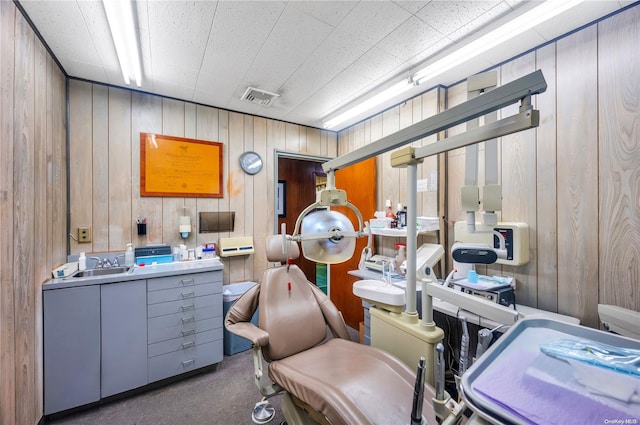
(122, 25)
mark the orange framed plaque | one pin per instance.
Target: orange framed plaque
(175, 166)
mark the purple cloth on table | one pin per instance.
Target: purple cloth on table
(505, 383)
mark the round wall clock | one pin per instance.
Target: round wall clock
(251, 162)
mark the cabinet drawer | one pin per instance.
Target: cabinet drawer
(186, 319)
(185, 344)
(177, 362)
(157, 334)
(181, 294)
(185, 306)
(185, 280)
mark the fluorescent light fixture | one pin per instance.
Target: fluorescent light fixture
(511, 29)
(123, 32)
(516, 26)
(381, 97)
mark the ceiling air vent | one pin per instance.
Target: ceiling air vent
(261, 97)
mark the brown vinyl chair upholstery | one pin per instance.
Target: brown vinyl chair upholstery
(348, 383)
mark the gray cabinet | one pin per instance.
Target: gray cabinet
(105, 339)
(124, 336)
(71, 320)
(184, 323)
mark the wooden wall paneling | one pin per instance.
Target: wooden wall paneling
(41, 230)
(261, 206)
(455, 165)
(7, 293)
(275, 141)
(223, 203)
(248, 197)
(429, 107)
(577, 176)
(80, 164)
(100, 161)
(206, 129)
(546, 190)
(24, 221)
(172, 125)
(58, 114)
(292, 137)
(389, 179)
(619, 159)
(313, 141)
(119, 182)
(237, 185)
(405, 119)
(190, 131)
(518, 166)
(146, 117)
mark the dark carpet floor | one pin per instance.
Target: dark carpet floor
(224, 396)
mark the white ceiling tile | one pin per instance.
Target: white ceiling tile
(178, 33)
(330, 12)
(371, 21)
(410, 39)
(412, 6)
(295, 37)
(482, 20)
(232, 48)
(448, 16)
(318, 54)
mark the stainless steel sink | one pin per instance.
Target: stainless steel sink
(101, 272)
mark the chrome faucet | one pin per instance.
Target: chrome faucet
(388, 263)
(106, 263)
(98, 262)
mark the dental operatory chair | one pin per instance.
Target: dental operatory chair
(323, 376)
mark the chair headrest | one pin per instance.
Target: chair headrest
(274, 249)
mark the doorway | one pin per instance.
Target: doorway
(297, 177)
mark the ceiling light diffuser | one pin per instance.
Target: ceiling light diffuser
(539, 14)
(123, 32)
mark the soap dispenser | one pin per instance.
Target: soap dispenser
(129, 256)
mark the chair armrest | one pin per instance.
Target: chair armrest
(238, 318)
(248, 330)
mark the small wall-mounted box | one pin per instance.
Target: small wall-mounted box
(230, 247)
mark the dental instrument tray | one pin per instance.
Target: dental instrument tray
(520, 381)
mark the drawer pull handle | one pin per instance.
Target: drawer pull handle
(187, 307)
(188, 294)
(187, 281)
(188, 332)
(189, 344)
(188, 362)
(188, 319)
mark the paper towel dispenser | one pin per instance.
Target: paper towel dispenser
(230, 247)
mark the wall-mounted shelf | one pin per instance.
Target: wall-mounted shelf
(427, 224)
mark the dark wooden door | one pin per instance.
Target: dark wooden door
(299, 177)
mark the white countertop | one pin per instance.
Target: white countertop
(138, 272)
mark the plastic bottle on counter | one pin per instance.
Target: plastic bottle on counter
(129, 257)
(82, 262)
(389, 213)
(401, 216)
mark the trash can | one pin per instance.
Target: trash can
(233, 344)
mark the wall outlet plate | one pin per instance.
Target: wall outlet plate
(84, 234)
